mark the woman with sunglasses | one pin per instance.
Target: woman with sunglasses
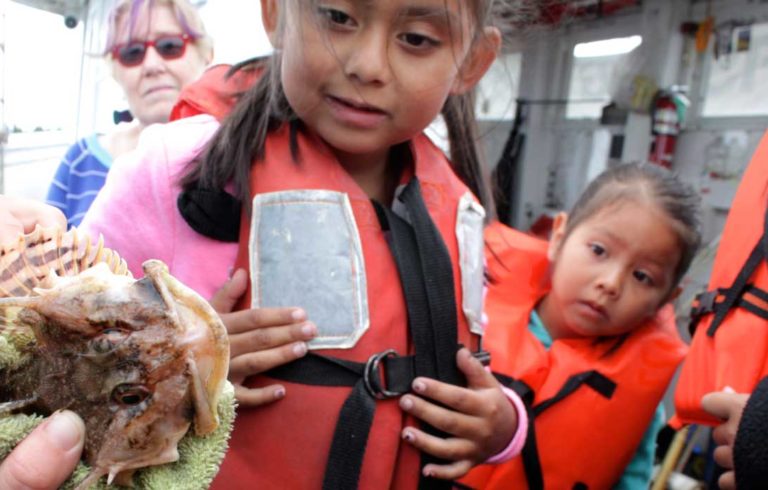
(154, 48)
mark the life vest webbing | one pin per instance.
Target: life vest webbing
(530, 454)
(426, 274)
(734, 295)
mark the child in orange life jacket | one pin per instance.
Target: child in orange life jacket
(351, 213)
(581, 324)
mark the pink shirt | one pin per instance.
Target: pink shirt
(136, 210)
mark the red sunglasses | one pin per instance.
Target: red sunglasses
(168, 47)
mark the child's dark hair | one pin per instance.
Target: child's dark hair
(241, 138)
(649, 183)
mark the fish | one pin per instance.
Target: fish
(142, 361)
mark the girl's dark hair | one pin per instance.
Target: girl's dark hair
(241, 138)
(649, 183)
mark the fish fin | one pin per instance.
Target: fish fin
(206, 414)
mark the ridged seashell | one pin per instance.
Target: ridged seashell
(26, 263)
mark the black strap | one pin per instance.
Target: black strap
(593, 379)
(215, 214)
(530, 454)
(313, 369)
(733, 295)
(426, 273)
(437, 277)
(353, 426)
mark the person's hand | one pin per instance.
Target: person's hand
(18, 215)
(259, 340)
(480, 419)
(47, 456)
(728, 406)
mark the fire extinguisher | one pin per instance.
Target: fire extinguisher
(665, 128)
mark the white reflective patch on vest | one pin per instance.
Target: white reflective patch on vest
(305, 251)
(469, 232)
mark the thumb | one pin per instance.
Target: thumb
(477, 375)
(720, 404)
(47, 457)
(226, 297)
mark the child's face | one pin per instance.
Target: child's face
(367, 75)
(612, 272)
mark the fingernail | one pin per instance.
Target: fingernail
(406, 403)
(428, 473)
(309, 329)
(279, 393)
(230, 272)
(419, 387)
(298, 314)
(728, 389)
(300, 349)
(65, 429)
(408, 436)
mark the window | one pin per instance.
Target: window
(499, 88)
(735, 84)
(595, 65)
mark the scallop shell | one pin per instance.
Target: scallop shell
(28, 262)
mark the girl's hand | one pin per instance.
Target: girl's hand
(259, 340)
(480, 419)
(728, 406)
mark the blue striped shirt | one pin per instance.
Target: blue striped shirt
(80, 176)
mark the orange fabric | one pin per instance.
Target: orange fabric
(585, 437)
(214, 93)
(737, 355)
(285, 444)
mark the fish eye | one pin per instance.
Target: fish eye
(107, 340)
(129, 395)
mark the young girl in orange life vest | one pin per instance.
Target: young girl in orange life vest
(580, 325)
(352, 214)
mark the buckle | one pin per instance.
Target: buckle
(372, 378)
(705, 302)
(483, 356)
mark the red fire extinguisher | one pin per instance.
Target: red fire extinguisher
(665, 128)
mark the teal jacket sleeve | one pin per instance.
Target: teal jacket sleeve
(637, 475)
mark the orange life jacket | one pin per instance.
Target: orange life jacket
(730, 344)
(216, 91)
(288, 444)
(589, 409)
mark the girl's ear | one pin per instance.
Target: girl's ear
(558, 235)
(478, 60)
(269, 18)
